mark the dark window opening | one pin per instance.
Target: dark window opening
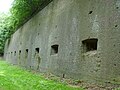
(26, 53)
(63, 76)
(37, 57)
(37, 50)
(54, 49)
(26, 50)
(89, 45)
(19, 52)
(15, 53)
(11, 54)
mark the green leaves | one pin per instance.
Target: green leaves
(21, 11)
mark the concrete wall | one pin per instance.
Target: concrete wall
(73, 25)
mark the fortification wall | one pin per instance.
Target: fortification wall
(71, 38)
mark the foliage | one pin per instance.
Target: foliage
(4, 31)
(21, 11)
(15, 78)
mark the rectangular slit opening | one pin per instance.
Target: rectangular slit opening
(15, 53)
(54, 49)
(37, 50)
(19, 53)
(89, 45)
(26, 53)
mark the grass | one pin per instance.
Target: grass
(15, 78)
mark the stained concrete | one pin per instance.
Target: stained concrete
(68, 23)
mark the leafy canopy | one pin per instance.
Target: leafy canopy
(21, 11)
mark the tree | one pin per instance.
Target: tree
(21, 11)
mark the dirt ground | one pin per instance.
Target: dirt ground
(86, 86)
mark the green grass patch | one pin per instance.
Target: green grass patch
(15, 78)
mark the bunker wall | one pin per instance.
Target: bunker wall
(71, 38)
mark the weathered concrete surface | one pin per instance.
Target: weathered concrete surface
(67, 23)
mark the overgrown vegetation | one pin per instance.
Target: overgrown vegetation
(21, 11)
(15, 78)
